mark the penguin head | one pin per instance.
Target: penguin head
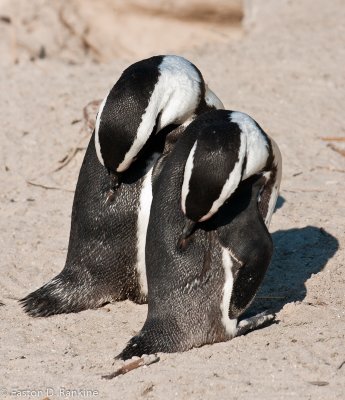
(150, 95)
(213, 168)
(229, 147)
(120, 132)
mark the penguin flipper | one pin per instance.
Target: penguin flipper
(249, 277)
(248, 243)
(256, 322)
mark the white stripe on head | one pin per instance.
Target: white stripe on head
(212, 100)
(186, 177)
(182, 87)
(230, 325)
(98, 121)
(143, 222)
(257, 157)
(277, 163)
(257, 151)
(232, 182)
(175, 96)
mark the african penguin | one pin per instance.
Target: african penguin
(142, 116)
(208, 246)
(157, 93)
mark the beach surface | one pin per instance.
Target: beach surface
(282, 62)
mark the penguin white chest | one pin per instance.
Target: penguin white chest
(230, 325)
(143, 222)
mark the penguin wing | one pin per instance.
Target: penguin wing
(246, 244)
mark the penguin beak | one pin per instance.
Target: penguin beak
(114, 185)
(114, 180)
(186, 232)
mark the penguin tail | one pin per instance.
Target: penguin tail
(137, 346)
(58, 296)
(156, 336)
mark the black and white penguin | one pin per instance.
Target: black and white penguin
(208, 246)
(141, 117)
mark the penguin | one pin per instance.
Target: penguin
(208, 245)
(142, 117)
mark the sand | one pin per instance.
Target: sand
(285, 68)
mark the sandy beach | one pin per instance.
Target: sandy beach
(282, 62)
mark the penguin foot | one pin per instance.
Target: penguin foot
(56, 297)
(256, 322)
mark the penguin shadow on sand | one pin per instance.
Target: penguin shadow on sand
(298, 253)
